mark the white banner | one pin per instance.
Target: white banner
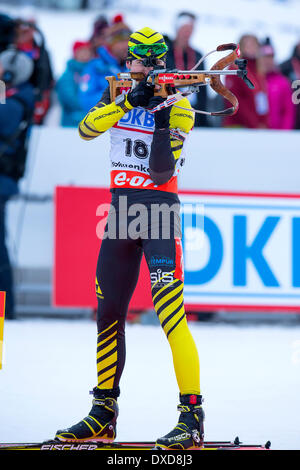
(246, 253)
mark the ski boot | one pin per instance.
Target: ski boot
(100, 424)
(189, 432)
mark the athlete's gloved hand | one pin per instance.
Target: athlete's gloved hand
(162, 117)
(141, 94)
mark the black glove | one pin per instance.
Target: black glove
(141, 94)
(162, 117)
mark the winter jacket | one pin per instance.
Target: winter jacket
(18, 109)
(42, 79)
(8, 188)
(94, 83)
(281, 108)
(67, 88)
(253, 104)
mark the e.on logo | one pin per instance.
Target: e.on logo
(135, 181)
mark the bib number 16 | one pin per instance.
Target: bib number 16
(136, 147)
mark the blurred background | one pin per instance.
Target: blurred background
(242, 281)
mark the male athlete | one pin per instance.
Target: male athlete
(147, 151)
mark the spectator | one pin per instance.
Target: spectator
(7, 31)
(30, 40)
(98, 37)
(68, 84)
(15, 116)
(291, 69)
(281, 108)
(254, 109)
(183, 56)
(111, 60)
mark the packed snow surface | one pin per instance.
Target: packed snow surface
(250, 378)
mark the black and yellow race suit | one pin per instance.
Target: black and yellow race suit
(139, 151)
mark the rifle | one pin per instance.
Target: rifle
(190, 81)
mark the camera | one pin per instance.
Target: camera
(17, 67)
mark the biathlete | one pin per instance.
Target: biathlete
(147, 152)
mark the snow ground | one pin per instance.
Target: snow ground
(250, 374)
(250, 377)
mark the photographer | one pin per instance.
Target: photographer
(15, 117)
(29, 39)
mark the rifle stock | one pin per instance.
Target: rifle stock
(167, 81)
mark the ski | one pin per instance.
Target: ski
(118, 446)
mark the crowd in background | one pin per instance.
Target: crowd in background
(30, 86)
(268, 106)
(104, 53)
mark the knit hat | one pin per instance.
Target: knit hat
(78, 44)
(183, 18)
(266, 48)
(118, 31)
(99, 26)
